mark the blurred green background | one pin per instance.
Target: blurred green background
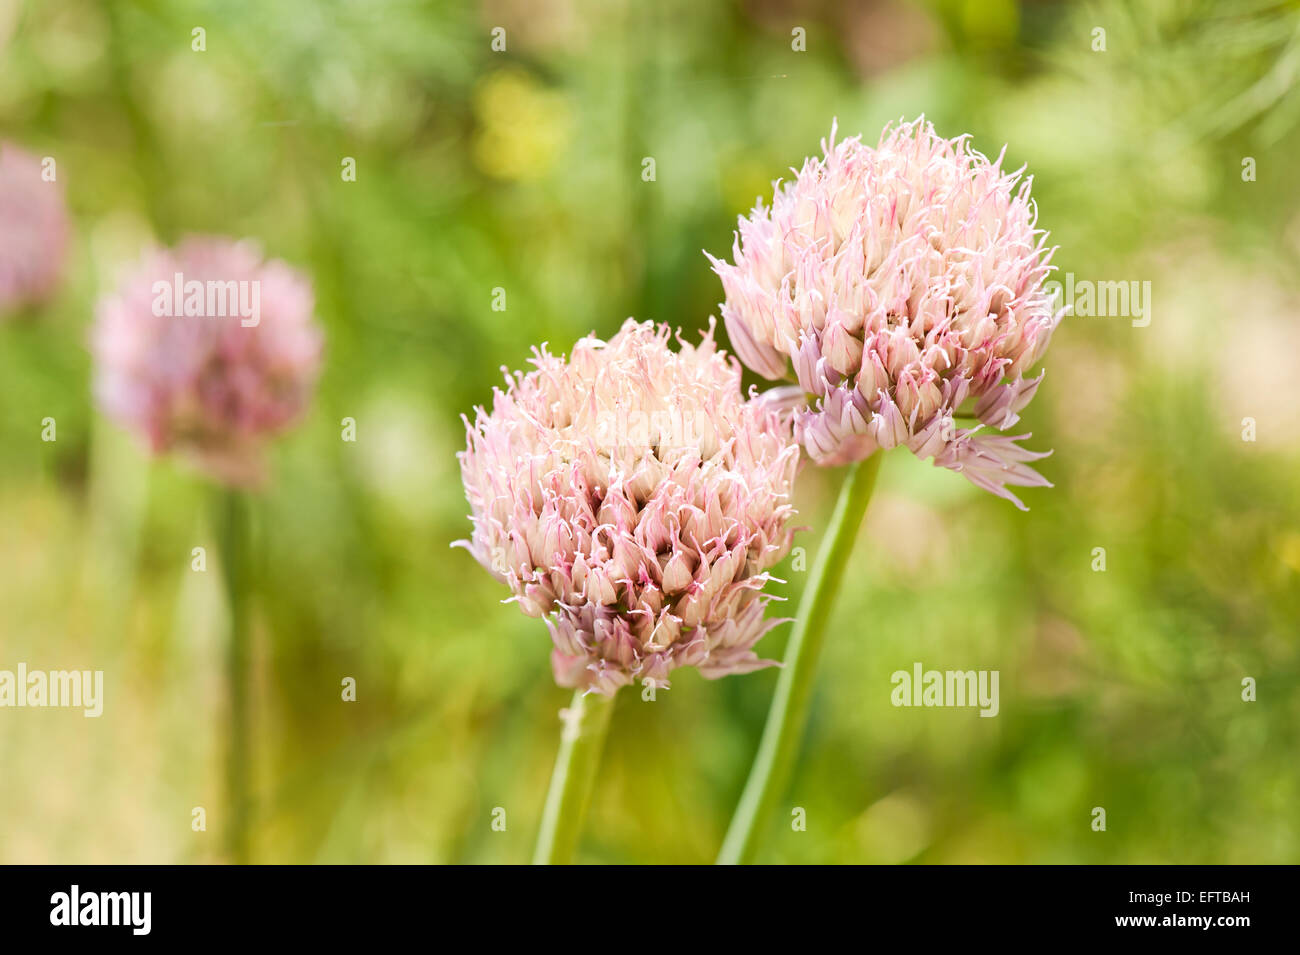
(521, 170)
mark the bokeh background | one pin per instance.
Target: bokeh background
(521, 170)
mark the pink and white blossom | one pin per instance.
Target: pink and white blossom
(179, 363)
(899, 283)
(632, 498)
(34, 230)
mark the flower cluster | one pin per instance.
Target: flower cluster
(34, 230)
(208, 350)
(634, 499)
(899, 283)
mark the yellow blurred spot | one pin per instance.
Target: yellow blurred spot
(893, 830)
(1289, 550)
(522, 125)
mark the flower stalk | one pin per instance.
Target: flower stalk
(586, 724)
(232, 524)
(788, 715)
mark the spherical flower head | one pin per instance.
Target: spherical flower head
(634, 499)
(34, 230)
(899, 282)
(208, 351)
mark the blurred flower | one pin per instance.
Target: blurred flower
(900, 282)
(33, 229)
(208, 350)
(633, 498)
(523, 125)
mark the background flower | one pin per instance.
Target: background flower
(208, 385)
(633, 498)
(899, 282)
(33, 229)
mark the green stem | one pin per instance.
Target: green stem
(770, 774)
(232, 524)
(586, 724)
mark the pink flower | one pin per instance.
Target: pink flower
(899, 283)
(207, 350)
(632, 498)
(34, 230)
